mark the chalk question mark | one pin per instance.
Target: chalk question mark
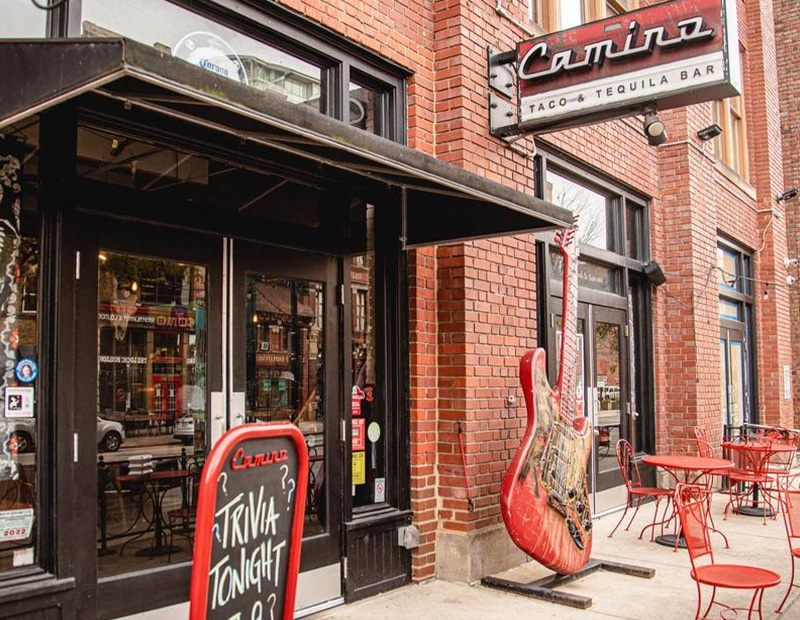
(291, 491)
(224, 477)
(285, 469)
(215, 531)
(272, 598)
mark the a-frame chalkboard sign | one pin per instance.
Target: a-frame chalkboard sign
(250, 524)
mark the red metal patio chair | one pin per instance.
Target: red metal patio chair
(790, 500)
(704, 481)
(750, 456)
(636, 492)
(701, 433)
(780, 463)
(690, 502)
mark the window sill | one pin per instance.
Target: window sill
(28, 586)
(732, 176)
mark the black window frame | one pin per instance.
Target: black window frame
(743, 293)
(633, 283)
(341, 60)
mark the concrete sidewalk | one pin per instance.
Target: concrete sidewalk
(669, 595)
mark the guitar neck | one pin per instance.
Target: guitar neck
(567, 380)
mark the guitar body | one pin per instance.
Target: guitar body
(533, 516)
(544, 498)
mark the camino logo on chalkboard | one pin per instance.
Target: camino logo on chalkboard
(250, 524)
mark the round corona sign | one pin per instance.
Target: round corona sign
(212, 53)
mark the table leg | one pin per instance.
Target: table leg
(159, 546)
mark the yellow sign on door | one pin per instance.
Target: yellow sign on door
(359, 468)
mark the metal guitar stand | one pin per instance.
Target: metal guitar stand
(544, 588)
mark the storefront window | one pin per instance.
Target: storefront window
(21, 378)
(207, 44)
(21, 19)
(592, 208)
(151, 408)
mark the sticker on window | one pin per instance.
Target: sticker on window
(16, 524)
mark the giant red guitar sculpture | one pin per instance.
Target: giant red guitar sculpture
(543, 497)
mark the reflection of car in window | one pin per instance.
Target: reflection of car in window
(185, 427)
(608, 393)
(22, 432)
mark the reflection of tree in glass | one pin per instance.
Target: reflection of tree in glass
(587, 205)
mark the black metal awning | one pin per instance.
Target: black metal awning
(441, 202)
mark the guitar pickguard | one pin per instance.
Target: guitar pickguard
(563, 475)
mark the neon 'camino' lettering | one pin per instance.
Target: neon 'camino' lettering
(691, 30)
(241, 460)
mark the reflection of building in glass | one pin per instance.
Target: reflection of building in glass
(275, 78)
(284, 350)
(150, 328)
(299, 87)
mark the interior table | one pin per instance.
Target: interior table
(157, 484)
(687, 469)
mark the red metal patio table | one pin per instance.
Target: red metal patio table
(687, 469)
(761, 450)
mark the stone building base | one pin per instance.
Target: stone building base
(471, 556)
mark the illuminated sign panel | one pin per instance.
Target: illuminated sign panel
(665, 56)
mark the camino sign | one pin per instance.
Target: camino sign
(665, 56)
(250, 524)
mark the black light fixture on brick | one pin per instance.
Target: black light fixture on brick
(654, 129)
(654, 273)
(709, 133)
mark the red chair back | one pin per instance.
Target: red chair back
(704, 449)
(791, 512)
(701, 434)
(626, 459)
(693, 514)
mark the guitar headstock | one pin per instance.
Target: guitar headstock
(565, 237)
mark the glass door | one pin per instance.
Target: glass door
(733, 376)
(286, 339)
(607, 392)
(602, 370)
(147, 364)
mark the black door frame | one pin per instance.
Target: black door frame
(614, 316)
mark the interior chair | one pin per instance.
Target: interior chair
(690, 502)
(749, 477)
(637, 492)
(182, 520)
(790, 500)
